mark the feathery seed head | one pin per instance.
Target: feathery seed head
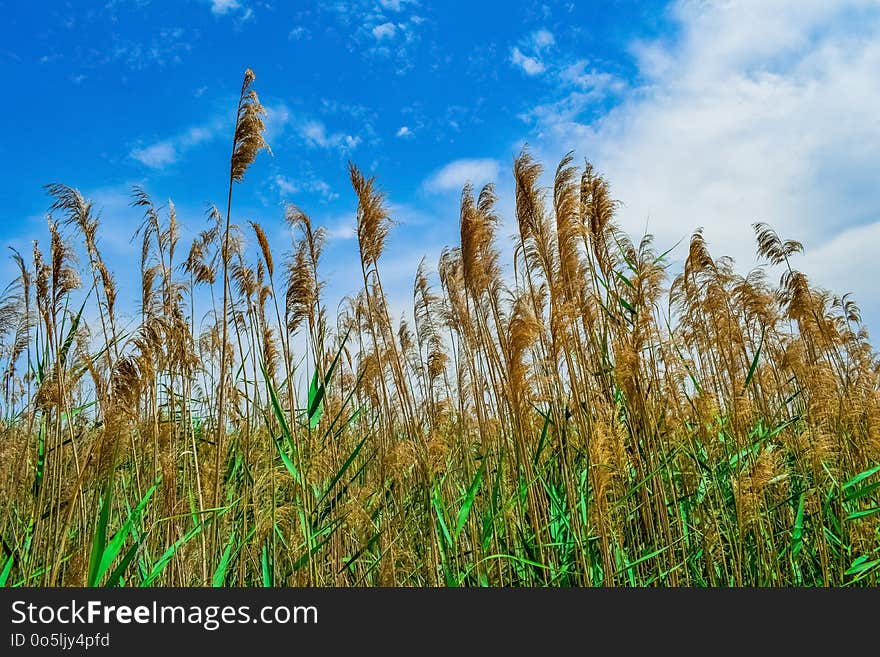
(249, 127)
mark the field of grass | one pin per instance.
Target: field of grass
(594, 419)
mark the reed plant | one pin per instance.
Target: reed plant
(595, 419)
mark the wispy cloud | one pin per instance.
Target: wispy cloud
(11, 55)
(344, 229)
(241, 12)
(167, 46)
(278, 118)
(396, 5)
(299, 32)
(454, 175)
(339, 227)
(223, 7)
(394, 41)
(529, 65)
(165, 152)
(384, 31)
(542, 39)
(281, 120)
(314, 133)
(156, 156)
(404, 132)
(527, 55)
(411, 215)
(289, 187)
(585, 77)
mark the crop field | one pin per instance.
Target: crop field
(586, 414)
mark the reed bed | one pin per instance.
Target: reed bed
(593, 419)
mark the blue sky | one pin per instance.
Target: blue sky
(700, 114)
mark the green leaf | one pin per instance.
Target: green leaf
(285, 430)
(862, 514)
(861, 477)
(489, 515)
(754, 365)
(115, 546)
(219, 576)
(41, 456)
(437, 502)
(629, 564)
(469, 500)
(342, 470)
(663, 255)
(797, 534)
(276, 408)
(316, 401)
(543, 439)
(864, 491)
(99, 540)
(625, 280)
(862, 565)
(7, 568)
(291, 468)
(511, 557)
(357, 555)
(71, 334)
(318, 390)
(626, 304)
(267, 570)
(119, 571)
(168, 554)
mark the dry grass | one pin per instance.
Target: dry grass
(590, 422)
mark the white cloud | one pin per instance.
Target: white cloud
(378, 31)
(592, 80)
(344, 230)
(315, 134)
(167, 46)
(757, 112)
(411, 215)
(542, 39)
(394, 5)
(288, 187)
(165, 152)
(454, 175)
(278, 117)
(299, 32)
(527, 55)
(384, 31)
(156, 156)
(222, 7)
(322, 188)
(531, 65)
(404, 132)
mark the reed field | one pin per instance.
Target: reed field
(592, 417)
